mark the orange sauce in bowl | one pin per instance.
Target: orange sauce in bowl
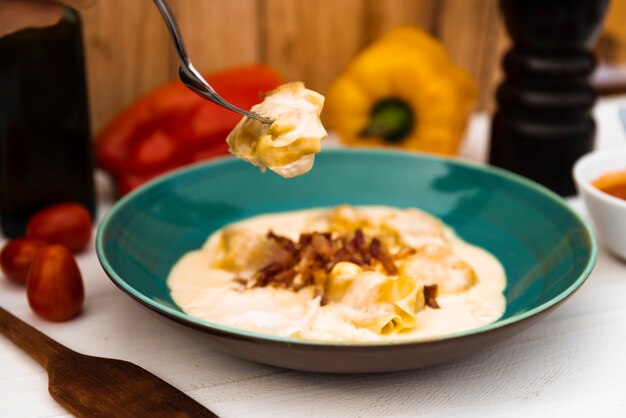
(613, 183)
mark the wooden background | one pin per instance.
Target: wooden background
(129, 51)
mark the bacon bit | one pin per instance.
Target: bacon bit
(272, 268)
(430, 296)
(356, 260)
(359, 243)
(284, 242)
(304, 240)
(339, 256)
(308, 261)
(285, 277)
(359, 239)
(349, 246)
(319, 281)
(404, 252)
(378, 252)
(240, 281)
(322, 245)
(283, 257)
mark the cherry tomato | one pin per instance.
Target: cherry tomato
(68, 224)
(55, 286)
(16, 257)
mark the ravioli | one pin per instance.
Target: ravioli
(288, 145)
(244, 251)
(381, 303)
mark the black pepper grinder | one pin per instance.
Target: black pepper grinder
(45, 141)
(543, 123)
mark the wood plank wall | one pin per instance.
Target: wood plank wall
(129, 52)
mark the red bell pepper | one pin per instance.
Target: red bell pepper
(172, 126)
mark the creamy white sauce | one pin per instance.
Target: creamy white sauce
(210, 294)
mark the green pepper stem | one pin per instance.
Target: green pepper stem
(392, 120)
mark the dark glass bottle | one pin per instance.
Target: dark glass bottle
(45, 141)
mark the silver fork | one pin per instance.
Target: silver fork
(189, 75)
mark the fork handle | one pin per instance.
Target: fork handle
(172, 26)
(36, 344)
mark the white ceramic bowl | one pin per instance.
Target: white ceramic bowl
(608, 213)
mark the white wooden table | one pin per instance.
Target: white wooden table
(572, 364)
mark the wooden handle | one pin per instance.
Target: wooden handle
(39, 346)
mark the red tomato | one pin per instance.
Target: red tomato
(68, 224)
(55, 286)
(16, 257)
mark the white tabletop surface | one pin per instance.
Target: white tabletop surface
(573, 363)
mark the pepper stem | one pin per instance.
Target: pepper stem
(392, 119)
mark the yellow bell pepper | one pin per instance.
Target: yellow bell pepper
(402, 91)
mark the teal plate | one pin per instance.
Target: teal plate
(546, 249)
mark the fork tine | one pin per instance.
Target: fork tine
(194, 81)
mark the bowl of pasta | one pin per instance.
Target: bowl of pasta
(374, 261)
